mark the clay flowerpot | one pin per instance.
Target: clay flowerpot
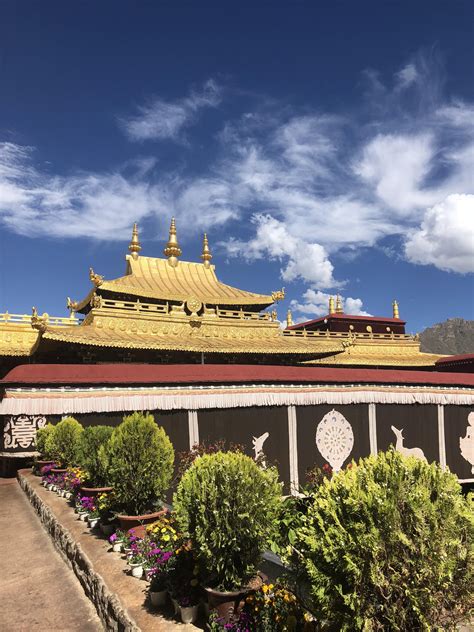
(228, 603)
(93, 492)
(189, 614)
(132, 522)
(58, 470)
(158, 598)
(137, 570)
(37, 465)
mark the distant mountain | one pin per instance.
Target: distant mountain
(454, 336)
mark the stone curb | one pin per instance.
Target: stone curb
(111, 612)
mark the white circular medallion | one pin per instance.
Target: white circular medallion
(334, 439)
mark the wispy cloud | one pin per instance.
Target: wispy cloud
(160, 119)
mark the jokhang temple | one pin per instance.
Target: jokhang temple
(211, 361)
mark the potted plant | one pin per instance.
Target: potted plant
(139, 459)
(116, 540)
(91, 459)
(136, 560)
(188, 607)
(228, 506)
(63, 443)
(41, 445)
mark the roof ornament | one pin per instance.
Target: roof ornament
(206, 253)
(172, 250)
(71, 306)
(332, 309)
(289, 318)
(97, 279)
(396, 313)
(339, 309)
(279, 295)
(39, 322)
(135, 246)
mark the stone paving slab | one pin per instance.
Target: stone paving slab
(38, 592)
(119, 598)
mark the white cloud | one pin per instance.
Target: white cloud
(302, 260)
(396, 166)
(316, 303)
(406, 76)
(446, 236)
(160, 119)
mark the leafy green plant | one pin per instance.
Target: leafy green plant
(90, 457)
(62, 444)
(228, 507)
(139, 457)
(42, 440)
(388, 545)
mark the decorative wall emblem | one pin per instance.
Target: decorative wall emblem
(399, 447)
(466, 443)
(334, 439)
(20, 431)
(257, 443)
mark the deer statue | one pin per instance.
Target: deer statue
(399, 447)
(257, 443)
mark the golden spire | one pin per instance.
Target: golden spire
(396, 313)
(289, 318)
(206, 253)
(172, 250)
(134, 245)
(331, 305)
(339, 309)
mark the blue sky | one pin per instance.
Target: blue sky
(324, 147)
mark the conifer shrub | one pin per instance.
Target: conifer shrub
(227, 505)
(42, 440)
(388, 545)
(91, 457)
(140, 458)
(63, 442)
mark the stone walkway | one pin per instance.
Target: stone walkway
(38, 592)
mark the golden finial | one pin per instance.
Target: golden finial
(396, 313)
(339, 309)
(206, 253)
(289, 318)
(172, 250)
(134, 246)
(332, 309)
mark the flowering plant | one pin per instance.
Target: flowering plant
(164, 532)
(73, 479)
(136, 555)
(183, 574)
(274, 607)
(159, 563)
(87, 503)
(118, 536)
(238, 623)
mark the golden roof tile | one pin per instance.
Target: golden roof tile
(154, 278)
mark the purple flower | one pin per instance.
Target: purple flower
(113, 538)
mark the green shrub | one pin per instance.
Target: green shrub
(140, 460)
(42, 440)
(388, 545)
(63, 442)
(90, 457)
(228, 507)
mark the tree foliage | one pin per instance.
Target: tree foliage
(62, 444)
(228, 507)
(90, 457)
(140, 460)
(388, 545)
(42, 440)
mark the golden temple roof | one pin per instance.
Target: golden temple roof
(183, 338)
(154, 278)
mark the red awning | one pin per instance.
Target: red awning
(127, 374)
